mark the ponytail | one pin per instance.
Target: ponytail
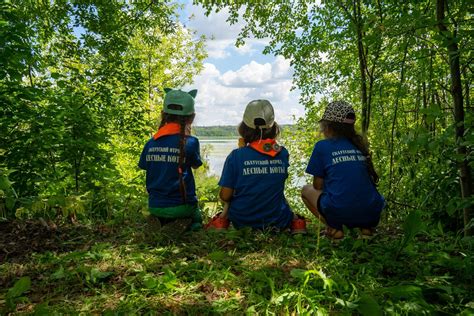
(182, 120)
(359, 142)
(348, 131)
(182, 155)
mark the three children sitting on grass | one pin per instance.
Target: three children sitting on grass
(253, 178)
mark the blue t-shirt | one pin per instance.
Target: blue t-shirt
(258, 181)
(160, 160)
(349, 197)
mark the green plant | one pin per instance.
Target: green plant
(15, 293)
(8, 196)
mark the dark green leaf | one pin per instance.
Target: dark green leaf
(20, 287)
(368, 306)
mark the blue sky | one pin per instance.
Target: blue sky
(233, 76)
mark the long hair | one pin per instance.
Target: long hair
(348, 131)
(182, 120)
(250, 135)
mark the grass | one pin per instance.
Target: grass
(124, 269)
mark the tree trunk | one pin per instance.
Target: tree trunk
(456, 91)
(362, 68)
(394, 121)
(425, 106)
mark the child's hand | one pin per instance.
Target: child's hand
(241, 142)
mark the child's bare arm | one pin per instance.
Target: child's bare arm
(225, 210)
(227, 193)
(226, 196)
(318, 183)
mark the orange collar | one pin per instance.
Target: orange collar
(167, 129)
(266, 146)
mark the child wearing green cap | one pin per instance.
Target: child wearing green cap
(168, 158)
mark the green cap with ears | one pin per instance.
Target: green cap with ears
(179, 102)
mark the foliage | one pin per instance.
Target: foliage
(14, 294)
(8, 196)
(80, 85)
(126, 270)
(390, 60)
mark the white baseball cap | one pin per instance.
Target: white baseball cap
(259, 110)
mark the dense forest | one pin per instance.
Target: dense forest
(81, 89)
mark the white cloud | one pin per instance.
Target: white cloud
(248, 75)
(245, 49)
(218, 49)
(278, 72)
(282, 68)
(222, 97)
(221, 35)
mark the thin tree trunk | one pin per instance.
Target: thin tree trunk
(433, 103)
(456, 91)
(149, 77)
(362, 68)
(417, 106)
(394, 121)
(76, 175)
(425, 105)
(466, 94)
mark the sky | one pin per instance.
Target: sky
(232, 77)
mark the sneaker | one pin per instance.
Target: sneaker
(218, 223)
(298, 226)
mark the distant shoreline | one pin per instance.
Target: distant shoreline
(219, 138)
(222, 131)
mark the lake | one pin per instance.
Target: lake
(217, 150)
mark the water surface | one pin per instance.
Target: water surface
(217, 149)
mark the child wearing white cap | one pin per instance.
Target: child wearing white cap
(254, 175)
(344, 184)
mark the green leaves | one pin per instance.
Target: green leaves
(78, 92)
(400, 292)
(164, 282)
(98, 276)
(412, 226)
(298, 273)
(15, 293)
(368, 306)
(20, 287)
(218, 255)
(59, 274)
(5, 183)
(91, 275)
(7, 192)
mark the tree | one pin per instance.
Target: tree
(450, 41)
(385, 57)
(76, 93)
